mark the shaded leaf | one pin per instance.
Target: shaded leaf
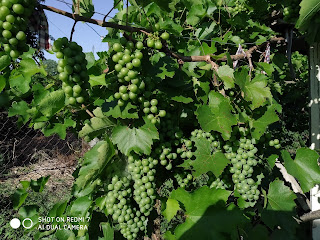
(97, 126)
(304, 167)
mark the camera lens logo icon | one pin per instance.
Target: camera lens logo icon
(27, 223)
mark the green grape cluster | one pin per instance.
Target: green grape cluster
(143, 172)
(242, 154)
(213, 138)
(133, 87)
(275, 143)
(120, 206)
(72, 68)
(237, 9)
(14, 20)
(169, 139)
(291, 12)
(183, 179)
(219, 184)
(154, 41)
(185, 151)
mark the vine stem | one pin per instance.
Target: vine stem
(180, 58)
(88, 111)
(73, 30)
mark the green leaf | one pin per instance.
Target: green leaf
(39, 185)
(90, 59)
(5, 61)
(18, 198)
(97, 126)
(195, 14)
(28, 211)
(98, 80)
(114, 110)
(280, 197)
(19, 82)
(259, 126)
(20, 109)
(206, 160)
(85, 8)
(217, 116)
(172, 207)
(225, 73)
(304, 167)
(255, 91)
(80, 206)
(108, 232)
(53, 103)
(267, 67)
(272, 160)
(134, 139)
(27, 69)
(169, 236)
(167, 70)
(207, 216)
(3, 83)
(94, 163)
(280, 209)
(182, 99)
(60, 128)
(308, 9)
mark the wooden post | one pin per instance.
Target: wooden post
(314, 63)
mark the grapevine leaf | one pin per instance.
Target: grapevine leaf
(21, 109)
(80, 206)
(98, 80)
(134, 139)
(27, 69)
(129, 111)
(167, 70)
(20, 83)
(196, 13)
(259, 126)
(108, 232)
(172, 207)
(207, 217)
(53, 103)
(94, 162)
(280, 208)
(59, 128)
(268, 68)
(182, 99)
(255, 91)
(217, 116)
(304, 167)
(308, 9)
(4, 62)
(272, 160)
(280, 197)
(206, 160)
(225, 73)
(169, 236)
(83, 7)
(97, 126)
(90, 59)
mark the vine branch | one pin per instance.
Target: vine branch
(180, 58)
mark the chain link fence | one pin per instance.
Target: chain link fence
(27, 154)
